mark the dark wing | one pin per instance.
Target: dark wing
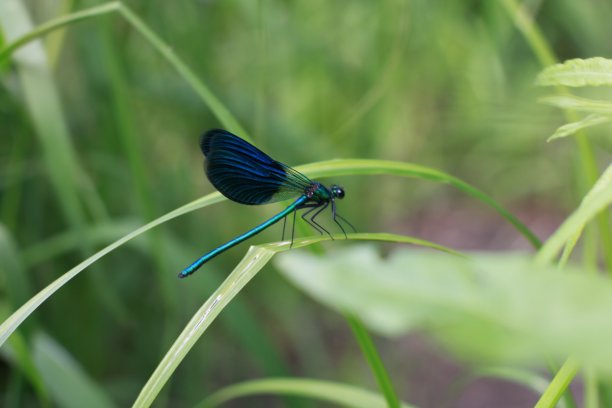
(245, 174)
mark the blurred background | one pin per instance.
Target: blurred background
(106, 139)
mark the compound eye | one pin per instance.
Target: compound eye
(339, 192)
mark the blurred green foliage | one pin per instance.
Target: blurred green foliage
(444, 84)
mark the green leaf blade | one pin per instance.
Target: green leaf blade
(331, 392)
(578, 104)
(570, 129)
(494, 307)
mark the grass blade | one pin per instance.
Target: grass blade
(12, 323)
(371, 167)
(324, 391)
(55, 24)
(373, 358)
(559, 384)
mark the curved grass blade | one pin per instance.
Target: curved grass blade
(324, 391)
(12, 323)
(58, 23)
(524, 22)
(370, 167)
(255, 259)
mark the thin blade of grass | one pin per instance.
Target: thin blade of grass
(373, 358)
(12, 323)
(56, 24)
(324, 391)
(371, 167)
(559, 384)
(255, 259)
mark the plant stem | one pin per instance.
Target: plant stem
(378, 369)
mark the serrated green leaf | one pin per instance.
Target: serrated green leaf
(498, 307)
(570, 128)
(577, 72)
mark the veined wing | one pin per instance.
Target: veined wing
(245, 174)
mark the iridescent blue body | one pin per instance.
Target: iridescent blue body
(245, 174)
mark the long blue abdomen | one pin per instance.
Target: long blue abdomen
(210, 255)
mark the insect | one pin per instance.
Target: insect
(245, 174)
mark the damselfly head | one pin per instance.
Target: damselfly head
(337, 191)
